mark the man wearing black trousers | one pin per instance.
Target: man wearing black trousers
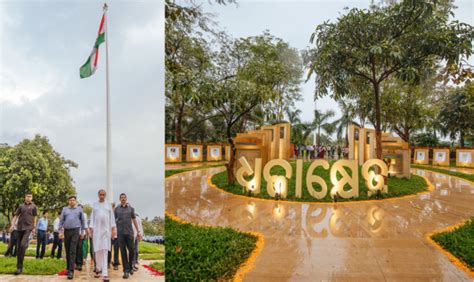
(115, 245)
(11, 251)
(73, 227)
(124, 216)
(57, 242)
(79, 251)
(25, 218)
(42, 235)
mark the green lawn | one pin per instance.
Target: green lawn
(459, 242)
(175, 171)
(160, 266)
(466, 176)
(204, 253)
(45, 266)
(155, 256)
(148, 251)
(151, 251)
(396, 186)
(31, 252)
(150, 248)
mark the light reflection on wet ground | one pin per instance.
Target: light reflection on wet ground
(373, 240)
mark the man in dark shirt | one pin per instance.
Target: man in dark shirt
(25, 218)
(72, 227)
(124, 216)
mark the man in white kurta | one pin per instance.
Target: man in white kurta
(102, 228)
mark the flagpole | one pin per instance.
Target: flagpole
(110, 193)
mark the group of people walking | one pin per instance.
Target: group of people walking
(320, 152)
(108, 226)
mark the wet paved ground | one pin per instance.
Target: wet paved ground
(382, 241)
(189, 165)
(458, 169)
(87, 275)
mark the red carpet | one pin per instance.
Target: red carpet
(153, 271)
(63, 273)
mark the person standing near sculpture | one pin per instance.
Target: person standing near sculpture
(25, 218)
(42, 235)
(73, 227)
(102, 228)
(125, 215)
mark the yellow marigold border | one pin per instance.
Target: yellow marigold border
(457, 262)
(430, 188)
(248, 264)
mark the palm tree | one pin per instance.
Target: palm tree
(342, 124)
(321, 121)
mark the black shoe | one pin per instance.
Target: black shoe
(18, 271)
(125, 275)
(131, 271)
(70, 275)
(79, 267)
(115, 267)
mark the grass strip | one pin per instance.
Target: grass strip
(171, 172)
(466, 176)
(459, 242)
(197, 253)
(45, 266)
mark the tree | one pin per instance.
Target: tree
(153, 227)
(187, 59)
(33, 166)
(347, 118)
(321, 121)
(425, 139)
(287, 76)
(248, 73)
(408, 106)
(189, 33)
(373, 45)
(456, 115)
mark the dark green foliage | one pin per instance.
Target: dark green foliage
(195, 253)
(425, 139)
(155, 226)
(160, 266)
(396, 186)
(34, 166)
(459, 242)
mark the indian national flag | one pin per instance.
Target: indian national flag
(90, 66)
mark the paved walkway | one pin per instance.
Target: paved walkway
(87, 275)
(311, 242)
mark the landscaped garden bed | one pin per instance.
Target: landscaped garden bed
(397, 187)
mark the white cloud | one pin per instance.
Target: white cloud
(23, 76)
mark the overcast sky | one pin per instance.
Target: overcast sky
(43, 44)
(294, 22)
